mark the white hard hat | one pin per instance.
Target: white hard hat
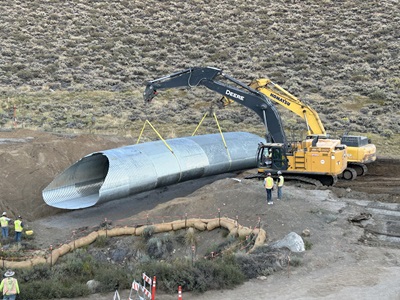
(4, 213)
(9, 273)
(279, 172)
(269, 174)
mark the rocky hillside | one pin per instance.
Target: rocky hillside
(82, 64)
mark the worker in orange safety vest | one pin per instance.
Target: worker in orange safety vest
(9, 286)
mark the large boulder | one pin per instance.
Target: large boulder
(93, 285)
(292, 241)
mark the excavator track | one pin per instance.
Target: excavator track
(361, 169)
(309, 180)
(349, 174)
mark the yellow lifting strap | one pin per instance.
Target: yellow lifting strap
(222, 136)
(220, 131)
(159, 135)
(201, 121)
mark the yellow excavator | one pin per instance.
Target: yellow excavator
(359, 151)
(310, 160)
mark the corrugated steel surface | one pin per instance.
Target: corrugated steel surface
(117, 173)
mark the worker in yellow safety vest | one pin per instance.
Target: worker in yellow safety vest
(269, 185)
(9, 286)
(18, 227)
(279, 184)
(4, 225)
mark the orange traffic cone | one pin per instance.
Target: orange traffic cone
(179, 293)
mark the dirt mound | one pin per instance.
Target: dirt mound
(30, 160)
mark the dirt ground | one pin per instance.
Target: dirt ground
(347, 260)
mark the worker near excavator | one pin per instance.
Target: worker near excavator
(269, 185)
(4, 225)
(18, 227)
(9, 286)
(279, 183)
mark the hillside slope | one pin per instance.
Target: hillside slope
(81, 65)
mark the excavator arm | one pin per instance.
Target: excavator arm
(240, 93)
(279, 95)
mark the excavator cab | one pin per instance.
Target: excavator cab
(271, 156)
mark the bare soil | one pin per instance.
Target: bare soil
(347, 260)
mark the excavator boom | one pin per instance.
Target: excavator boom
(279, 95)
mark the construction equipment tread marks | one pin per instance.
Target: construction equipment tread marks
(312, 181)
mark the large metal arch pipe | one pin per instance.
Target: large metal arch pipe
(117, 173)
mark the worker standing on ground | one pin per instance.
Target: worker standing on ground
(269, 184)
(4, 225)
(9, 286)
(18, 227)
(279, 184)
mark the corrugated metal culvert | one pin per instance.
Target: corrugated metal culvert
(118, 173)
